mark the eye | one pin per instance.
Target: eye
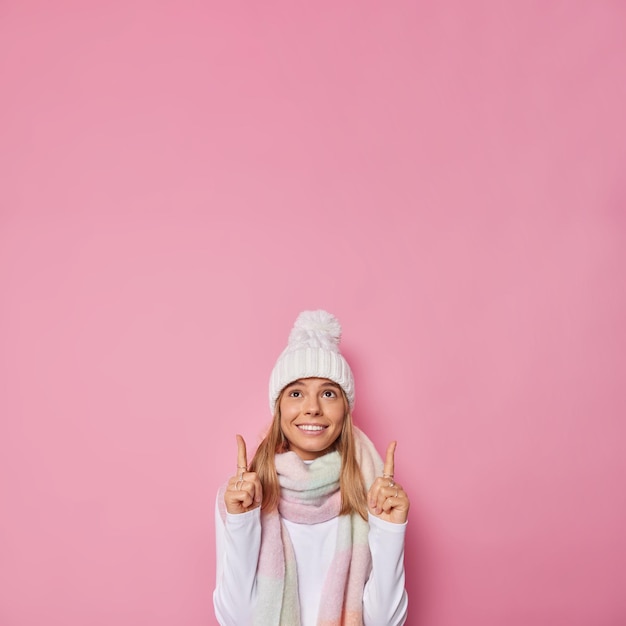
(295, 394)
(329, 394)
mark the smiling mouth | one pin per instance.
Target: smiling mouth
(311, 428)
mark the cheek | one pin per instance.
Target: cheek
(283, 407)
(338, 417)
(287, 413)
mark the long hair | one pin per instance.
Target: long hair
(351, 484)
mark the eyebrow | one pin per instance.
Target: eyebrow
(300, 381)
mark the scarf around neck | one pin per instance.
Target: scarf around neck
(309, 494)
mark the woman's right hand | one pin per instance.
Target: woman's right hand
(244, 492)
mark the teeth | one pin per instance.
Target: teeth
(310, 427)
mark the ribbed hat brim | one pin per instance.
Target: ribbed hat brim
(311, 363)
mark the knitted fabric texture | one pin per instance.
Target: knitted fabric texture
(312, 352)
(309, 495)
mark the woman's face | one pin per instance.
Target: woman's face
(312, 411)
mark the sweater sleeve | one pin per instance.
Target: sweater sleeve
(385, 600)
(238, 541)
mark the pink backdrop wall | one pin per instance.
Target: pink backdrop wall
(179, 179)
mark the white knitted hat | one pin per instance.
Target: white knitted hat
(312, 352)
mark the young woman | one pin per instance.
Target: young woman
(312, 532)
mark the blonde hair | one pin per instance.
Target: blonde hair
(351, 483)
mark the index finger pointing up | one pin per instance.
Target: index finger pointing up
(391, 448)
(242, 457)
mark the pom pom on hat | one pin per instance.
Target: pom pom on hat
(315, 329)
(312, 352)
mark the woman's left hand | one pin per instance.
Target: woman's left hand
(386, 499)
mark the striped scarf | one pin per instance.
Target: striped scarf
(310, 495)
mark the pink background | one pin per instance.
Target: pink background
(179, 179)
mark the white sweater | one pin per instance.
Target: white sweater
(238, 544)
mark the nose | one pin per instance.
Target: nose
(312, 405)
